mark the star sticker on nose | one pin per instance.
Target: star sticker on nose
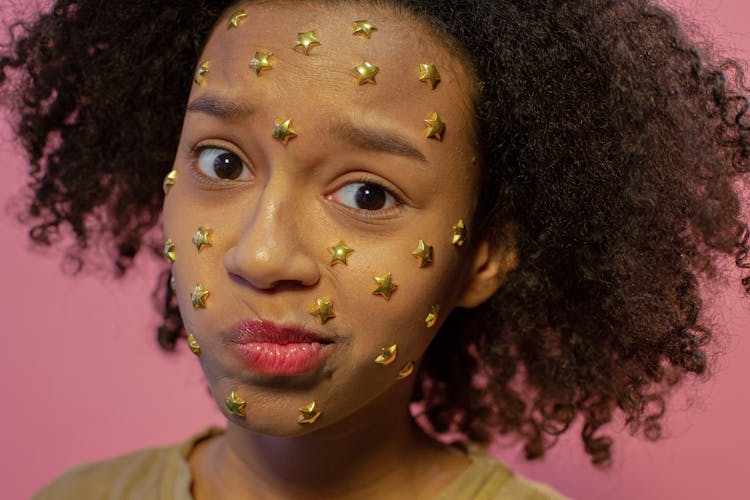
(387, 355)
(385, 286)
(306, 41)
(435, 127)
(429, 73)
(363, 28)
(236, 19)
(423, 252)
(235, 404)
(260, 62)
(308, 413)
(202, 238)
(200, 76)
(365, 72)
(339, 253)
(323, 309)
(283, 131)
(198, 296)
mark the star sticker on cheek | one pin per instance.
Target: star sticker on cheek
(365, 72)
(423, 252)
(169, 180)
(363, 28)
(387, 355)
(435, 127)
(432, 316)
(193, 345)
(235, 404)
(283, 131)
(306, 41)
(407, 370)
(323, 309)
(202, 238)
(169, 254)
(198, 296)
(339, 253)
(236, 19)
(429, 73)
(459, 233)
(385, 286)
(200, 76)
(260, 62)
(173, 283)
(308, 413)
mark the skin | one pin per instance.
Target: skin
(270, 258)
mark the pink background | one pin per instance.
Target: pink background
(83, 379)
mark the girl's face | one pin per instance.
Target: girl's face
(359, 171)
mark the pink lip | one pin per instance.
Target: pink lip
(270, 349)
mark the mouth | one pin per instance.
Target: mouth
(270, 349)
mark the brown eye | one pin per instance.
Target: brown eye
(221, 164)
(364, 196)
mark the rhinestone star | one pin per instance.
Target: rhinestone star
(339, 253)
(200, 76)
(260, 62)
(365, 72)
(283, 131)
(429, 73)
(323, 309)
(387, 355)
(363, 28)
(236, 19)
(435, 127)
(235, 404)
(198, 296)
(306, 41)
(202, 238)
(385, 286)
(423, 252)
(308, 413)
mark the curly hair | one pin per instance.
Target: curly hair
(609, 143)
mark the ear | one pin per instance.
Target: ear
(492, 263)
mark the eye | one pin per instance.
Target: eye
(219, 163)
(364, 196)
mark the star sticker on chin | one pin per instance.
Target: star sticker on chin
(309, 413)
(235, 404)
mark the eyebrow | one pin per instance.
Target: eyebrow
(220, 107)
(374, 140)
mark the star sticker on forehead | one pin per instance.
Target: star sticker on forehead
(363, 28)
(429, 73)
(323, 309)
(308, 414)
(435, 127)
(260, 62)
(339, 253)
(200, 75)
(202, 238)
(365, 72)
(423, 252)
(283, 131)
(198, 296)
(235, 404)
(306, 41)
(236, 19)
(385, 286)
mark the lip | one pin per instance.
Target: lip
(270, 349)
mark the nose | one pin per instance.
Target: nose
(271, 248)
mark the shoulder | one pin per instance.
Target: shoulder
(489, 479)
(158, 473)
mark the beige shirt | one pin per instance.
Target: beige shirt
(164, 474)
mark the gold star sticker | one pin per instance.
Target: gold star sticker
(169, 250)
(385, 286)
(193, 345)
(459, 233)
(283, 131)
(323, 309)
(308, 413)
(260, 62)
(407, 370)
(169, 181)
(423, 252)
(435, 127)
(365, 72)
(387, 355)
(236, 19)
(339, 253)
(363, 28)
(198, 296)
(202, 238)
(432, 316)
(429, 73)
(200, 75)
(172, 284)
(306, 41)
(235, 404)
